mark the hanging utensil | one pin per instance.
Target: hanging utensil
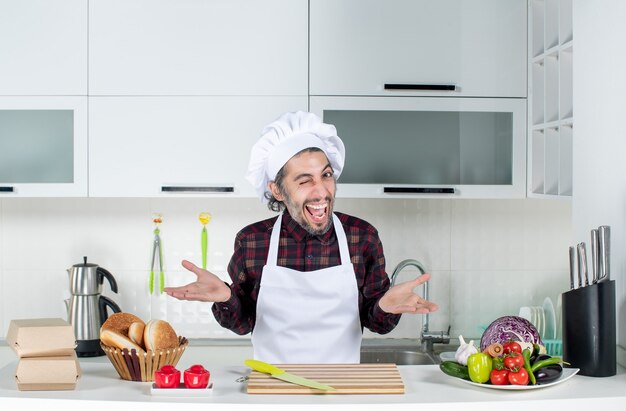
(205, 218)
(157, 253)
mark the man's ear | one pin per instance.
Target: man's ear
(275, 191)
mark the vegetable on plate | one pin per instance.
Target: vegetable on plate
(464, 351)
(455, 369)
(479, 367)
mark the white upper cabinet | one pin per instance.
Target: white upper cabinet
(43, 47)
(43, 146)
(424, 147)
(177, 146)
(198, 47)
(418, 47)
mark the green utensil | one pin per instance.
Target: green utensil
(157, 252)
(204, 218)
(281, 374)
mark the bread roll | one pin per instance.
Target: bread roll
(159, 335)
(135, 332)
(120, 322)
(114, 339)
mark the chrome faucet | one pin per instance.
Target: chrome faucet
(427, 337)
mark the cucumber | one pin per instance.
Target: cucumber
(455, 369)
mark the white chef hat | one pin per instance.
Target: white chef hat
(282, 139)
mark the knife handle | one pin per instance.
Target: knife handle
(582, 266)
(604, 250)
(595, 272)
(572, 266)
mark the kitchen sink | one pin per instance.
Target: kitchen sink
(397, 356)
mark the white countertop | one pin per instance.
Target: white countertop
(101, 388)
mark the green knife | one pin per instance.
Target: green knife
(276, 372)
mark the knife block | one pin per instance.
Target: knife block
(589, 335)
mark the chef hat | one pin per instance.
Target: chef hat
(289, 134)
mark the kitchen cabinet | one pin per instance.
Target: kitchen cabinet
(418, 47)
(419, 147)
(551, 116)
(43, 47)
(198, 47)
(43, 146)
(177, 146)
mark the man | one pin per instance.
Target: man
(304, 283)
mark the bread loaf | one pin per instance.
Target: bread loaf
(120, 323)
(135, 332)
(159, 335)
(115, 339)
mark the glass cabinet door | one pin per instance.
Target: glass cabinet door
(410, 146)
(43, 142)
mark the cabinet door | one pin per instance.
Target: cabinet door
(43, 146)
(423, 147)
(177, 146)
(43, 47)
(477, 46)
(198, 47)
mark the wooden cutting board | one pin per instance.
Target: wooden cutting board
(345, 378)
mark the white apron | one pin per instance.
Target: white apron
(307, 317)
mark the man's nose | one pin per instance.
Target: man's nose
(321, 189)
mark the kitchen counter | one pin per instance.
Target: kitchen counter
(101, 388)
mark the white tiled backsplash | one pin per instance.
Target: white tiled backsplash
(487, 257)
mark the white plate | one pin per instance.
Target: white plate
(559, 308)
(567, 374)
(548, 309)
(181, 391)
(448, 356)
(526, 312)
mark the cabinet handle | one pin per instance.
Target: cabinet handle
(197, 189)
(432, 87)
(6, 189)
(419, 190)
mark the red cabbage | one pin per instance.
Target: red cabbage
(510, 328)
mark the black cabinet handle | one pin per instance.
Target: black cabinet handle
(6, 189)
(419, 190)
(430, 87)
(197, 189)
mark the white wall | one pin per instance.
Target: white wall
(600, 135)
(487, 257)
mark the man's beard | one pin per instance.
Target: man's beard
(296, 213)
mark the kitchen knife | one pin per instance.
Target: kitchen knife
(582, 264)
(580, 268)
(276, 372)
(604, 252)
(594, 256)
(572, 266)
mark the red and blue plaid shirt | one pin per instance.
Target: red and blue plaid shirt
(302, 251)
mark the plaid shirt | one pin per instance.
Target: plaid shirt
(302, 251)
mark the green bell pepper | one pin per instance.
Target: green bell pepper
(479, 366)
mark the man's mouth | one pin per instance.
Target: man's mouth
(317, 212)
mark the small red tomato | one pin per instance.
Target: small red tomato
(519, 377)
(167, 377)
(513, 361)
(511, 346)
(499, 377)
(196, 376)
